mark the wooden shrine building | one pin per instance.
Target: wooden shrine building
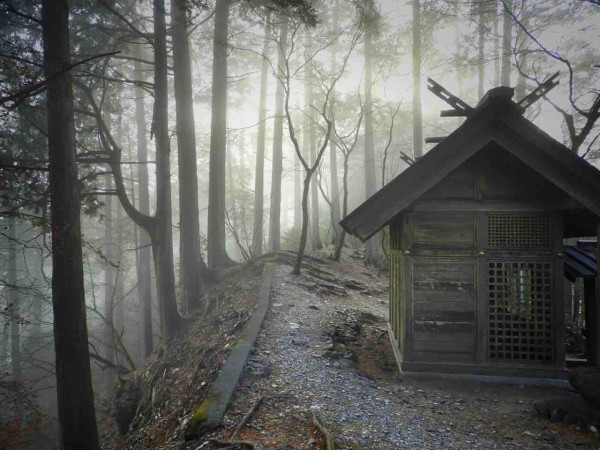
(476, 245)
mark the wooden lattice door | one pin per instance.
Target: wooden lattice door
(520, 311)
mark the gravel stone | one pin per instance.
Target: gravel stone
(309, 377)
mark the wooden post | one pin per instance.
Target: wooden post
(559, 311)
(595, 311)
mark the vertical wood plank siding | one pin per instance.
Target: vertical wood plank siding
(440, 254)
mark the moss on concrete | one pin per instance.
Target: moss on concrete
(201, 415)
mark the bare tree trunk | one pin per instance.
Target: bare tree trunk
(118, 316)
(335, 192)
(496, 32)
(370, 177)
(458, 58)
(109, 286)
(119, 297)
(216, 247)
(232, 213)
(259, 176)
(306, 153)
(340, 243)
(521, 47)
(192, 264)
(333, 169)
(416, 63)
(297, 193)
(159, 226)
(315, 233)
(13, 299)
(240, 216)
(325, 112)
(304, 229)
(73, 375)
(276, 172)
(144, 269)
(506, 44)
(480, 48)
(162, 239)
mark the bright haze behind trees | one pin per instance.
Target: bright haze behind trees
(209, 133)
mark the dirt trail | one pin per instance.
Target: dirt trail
(328, 354)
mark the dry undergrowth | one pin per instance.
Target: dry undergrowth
(172, 382)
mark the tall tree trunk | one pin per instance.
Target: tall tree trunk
(521, 88)
(159, 226)
(304, 228)
(162, 239)
(13, 299)
(335, 193)
(118, 241)
(119, 297)
(306, 153)
(217, 252)
(297, 193)
(521, 45)
(370, 176)
(73, 375)
(458, 57)
(315, 233)
(333, 169)
(506, 44)
(232, 213)
(240, 212)
(259, 174)
(340, 243)
(416, 63)
(298, 171)
(496, 31)
(480, 48)
(109, 285)
(192, 265)
(144, 268)
(276, 172)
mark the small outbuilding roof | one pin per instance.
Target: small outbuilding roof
(496, 119)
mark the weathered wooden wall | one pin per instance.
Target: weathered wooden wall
(440, 259)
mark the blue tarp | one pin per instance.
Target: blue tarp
(579, 263)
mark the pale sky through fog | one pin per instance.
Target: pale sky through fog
(397, 85)
(586, 30)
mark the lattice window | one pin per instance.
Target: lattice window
(520, 311)
(511, 231)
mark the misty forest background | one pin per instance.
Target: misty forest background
(209, 133)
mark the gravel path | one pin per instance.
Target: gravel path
(288, 369)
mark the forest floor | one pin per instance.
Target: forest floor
(159, 396)
(324, 352)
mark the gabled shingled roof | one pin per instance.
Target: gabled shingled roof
(496, 119)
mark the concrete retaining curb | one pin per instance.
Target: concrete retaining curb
(211, 410)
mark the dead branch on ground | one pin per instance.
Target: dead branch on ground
(229, 444)
(246, 418)
(329, 439)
